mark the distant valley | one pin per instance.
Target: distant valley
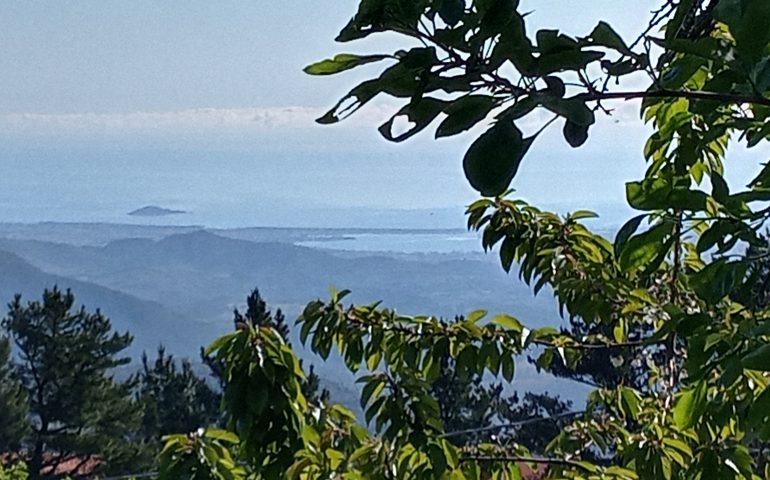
(178, 286)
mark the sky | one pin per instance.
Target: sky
(210, 97)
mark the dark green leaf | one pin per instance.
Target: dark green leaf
(626, 231)
(606, 36)
(451, 11)
(758, 359)
(520, 108)
(352, 102)
(420, 112)
(717, 280)
(642, 248)
(381, 15)
(509, 322)
(508, 367)
(660, 193)
(720, 191)
(464, 113)
(573, 109)
(576, 135)
(555, 86)
(747, 21)
(494, 158)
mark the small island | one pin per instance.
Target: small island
(154, 211)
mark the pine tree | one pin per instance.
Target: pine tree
(258, 314)
(65, 359)
(174, 399)
(474, 411)
(13, 403)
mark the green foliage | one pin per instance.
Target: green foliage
(173, 398)
(257, 314)
(200, 455)
(262, 395)
(671, 304)
(473, 411)
(13, 471)
(64, 360)
(13, 403)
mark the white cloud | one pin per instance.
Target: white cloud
(199, 120)
(274, 123)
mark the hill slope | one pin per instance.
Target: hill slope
(149, 322)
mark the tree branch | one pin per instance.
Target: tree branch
(506, 426)
(521, 459)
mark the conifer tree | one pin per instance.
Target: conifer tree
(65, 361)
(13, 403)
(174, 399)
(258, 314)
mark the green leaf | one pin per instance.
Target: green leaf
(451, 11)
(716, 233)
(464, 113)
(758, 359)
(642, 248)
(219, 343)
(420, 112)
(378, 16)
(717, 280)
(521, 107)
(508, 367)
(720, 191)
(352, 102)
(575, 134)
(223, 435)
(437, 459)
(494, 158)
(626, 231)
(690, 406)
(582, 215)
(573, 109)
(508, 322)
(476, 315)
(664, 193)
(555, 86)
(630, 402)
(747, 21)
(341, 62)
(606, 36)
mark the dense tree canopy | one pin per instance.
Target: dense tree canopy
(173, 398)
(669, 320)
(669, 302)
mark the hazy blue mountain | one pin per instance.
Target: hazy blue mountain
(180, 289)
(204, 275)
(149, 322)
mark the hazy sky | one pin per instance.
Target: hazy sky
(137, 85)
(117, 56)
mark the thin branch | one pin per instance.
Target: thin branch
(363, 323)
(506, 426)
(599, 346)
(521, 459)
(417, 332)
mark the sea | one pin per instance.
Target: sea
(382, 201)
